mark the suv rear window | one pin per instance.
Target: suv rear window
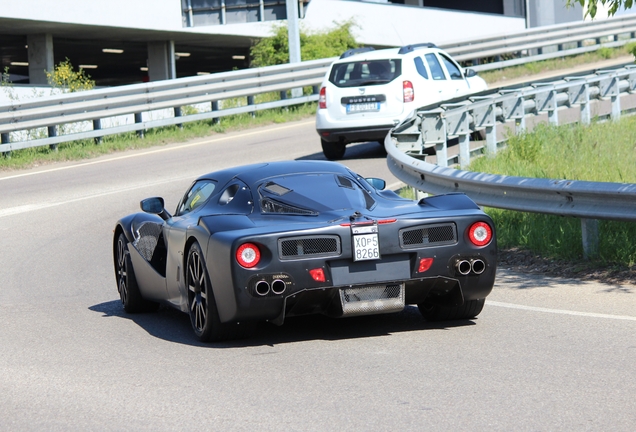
(365, 73)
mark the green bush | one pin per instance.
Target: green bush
(65, 78)
(274, 50)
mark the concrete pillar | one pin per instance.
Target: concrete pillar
(293, 37)
(40, 54)
(549, 12)
(161, 61)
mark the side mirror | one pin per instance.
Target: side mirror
(155, 205)
(377, 183)
(470, 73)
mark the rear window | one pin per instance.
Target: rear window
(365, 73)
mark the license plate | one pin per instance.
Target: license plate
(366, 247)
(363, 107)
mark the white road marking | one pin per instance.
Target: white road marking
(560, 311)
(153, 151)
(31, 207)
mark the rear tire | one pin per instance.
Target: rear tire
(333, 150)
(203, 312)
(129, 293)
(470, 309)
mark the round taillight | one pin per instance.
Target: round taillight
(480, 233)
(248, 255)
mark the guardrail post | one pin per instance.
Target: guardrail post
(5, 138)
(553, 109)
(283, 95)
(250, 101)
(441, 147)
(215, 107)
(491, 134)
(52, 131)
(97, 125)
(547, 101)
(586, 111)
(616, 100)
(177, 113)
(315, 89)
(486, 117)
(579, 93)
(139, 119)
(589, 232)
(514, 109)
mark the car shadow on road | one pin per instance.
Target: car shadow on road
(174, 326)
(367, 150)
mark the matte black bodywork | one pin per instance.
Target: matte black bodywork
(300, 214)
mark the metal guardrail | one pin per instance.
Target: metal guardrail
(494, 112)
(604, 94)
(542, 43)
(97, 105)
(90, 114)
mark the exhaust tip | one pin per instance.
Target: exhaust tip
(262, 288)
(278, 286)
(478, 266)
(463, 267)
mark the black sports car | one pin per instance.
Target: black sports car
(272, 240)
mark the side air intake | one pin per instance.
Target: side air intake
(428, 235)
(308, 247)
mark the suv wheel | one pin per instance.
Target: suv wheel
(333, 150)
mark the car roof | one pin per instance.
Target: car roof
(385, 53)
(251, 174)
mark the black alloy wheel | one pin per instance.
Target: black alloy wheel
(129, 293)
(204, 315)
(198, 288)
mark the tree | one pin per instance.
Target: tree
(317, 45)
(590, 6)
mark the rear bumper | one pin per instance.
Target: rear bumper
(351, 135)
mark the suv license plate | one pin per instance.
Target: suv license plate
(363, 107)
(366, 247)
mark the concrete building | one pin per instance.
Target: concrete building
(127, 41)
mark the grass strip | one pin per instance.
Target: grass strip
(85, 149)
(602, 152)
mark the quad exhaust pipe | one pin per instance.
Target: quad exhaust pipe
(262, 287)
(475, 266)
(463, 267)
(478, 266)
(278, 286)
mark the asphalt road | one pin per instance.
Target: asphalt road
(545, 354)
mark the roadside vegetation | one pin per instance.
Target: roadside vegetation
(603, 152)
(268, 51)
(530, 69)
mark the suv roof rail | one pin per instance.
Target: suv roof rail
(353, 51)
(408, 48)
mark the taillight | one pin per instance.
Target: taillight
(322, 98)
(480, 233)
(318, 274)
(409, 94)
(425, 264)
(248, 255)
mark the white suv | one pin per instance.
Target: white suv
(367, 92)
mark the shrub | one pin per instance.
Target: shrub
(274, 50)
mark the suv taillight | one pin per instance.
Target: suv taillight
(409, 94)
(322, 98)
